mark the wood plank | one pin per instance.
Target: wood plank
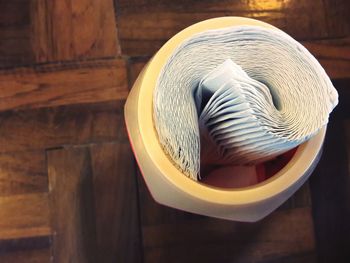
(301, 198)
(337, 13)
(330, 188)
(346, 124)
(143, 34)
(146, 37)
(15, 47)
(23, 216)
(61, 84)
(32, 250)
(22, 173)
(117, 219)
(171, 235)
(299, 258)
(168, 17)
(342, 111)
(37, 31)
(72, 205)
(284, 233)
(152, 213)
(27, 256)
(66, 125)
(135, 65)
(333, 55)
(14, 12)
(69, 30)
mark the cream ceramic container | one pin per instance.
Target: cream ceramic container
(170, 187)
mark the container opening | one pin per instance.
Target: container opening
(231, 176)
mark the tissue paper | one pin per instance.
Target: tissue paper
(239, 95)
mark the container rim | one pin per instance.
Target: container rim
(293, 172)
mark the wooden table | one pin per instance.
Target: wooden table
(69, 187)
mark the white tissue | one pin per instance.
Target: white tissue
(239, 95)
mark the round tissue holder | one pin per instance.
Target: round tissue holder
(170, 187)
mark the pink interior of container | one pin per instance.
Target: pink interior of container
(231, 176)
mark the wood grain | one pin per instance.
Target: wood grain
(60, 84)
(27, 256)
(342, 111)
(330, 188)
(135, 65)
(69, 30)
(152, 213)
(301, 198)
(337, 14)
(24, 216)
(325, 33)
(22, 173)
(32, 250)
(170, 235)
(346, 125)
(143, 34)
(67, 125)
(299, 258)
(62, 90)
(72, 205)
(37, 31)
(111, 222)
(333, 55)
(15, 46)
(117, 219)
(284, 233)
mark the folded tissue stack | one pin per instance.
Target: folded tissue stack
(239, 95)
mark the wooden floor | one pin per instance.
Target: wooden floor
(69, 187)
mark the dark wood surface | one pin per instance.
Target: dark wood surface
(116, 204)
(322, 26)
(70, 190)
(72, 203)
(330, 187)
(63, 83)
